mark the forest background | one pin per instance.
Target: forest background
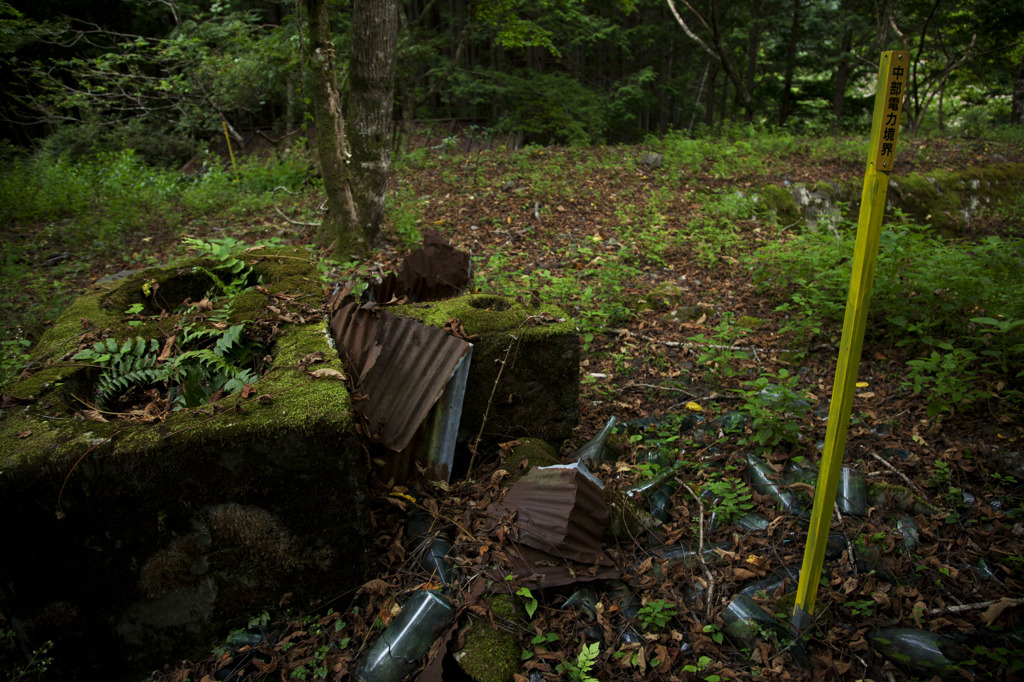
(517, 128)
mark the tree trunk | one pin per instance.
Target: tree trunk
(842, 76)
(338, 228)
(1017, 109)
(753, 47)
(370, 104)
(786, 105)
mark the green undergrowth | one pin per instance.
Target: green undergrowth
(954, 308)
(97, 199)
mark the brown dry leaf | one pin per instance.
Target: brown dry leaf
(917, 613)
(664, 661)
(326, 373)
(94, 416)
(165, 352)
(993, 612)
(25, 434)
(743, 574)
(376, 586)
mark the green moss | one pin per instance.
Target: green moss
(489, 314)
(780, 202)
(294, 402)
(662, 297)
(885, 494)
(491, 654)
(529, 453)
(947, 200)
(748, 322)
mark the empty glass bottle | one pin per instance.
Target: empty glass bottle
(398, 650)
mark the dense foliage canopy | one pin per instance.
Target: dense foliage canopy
(152, 73)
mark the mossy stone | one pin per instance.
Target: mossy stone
(175, 531)
(665, 296)
(529, 453)
(948, 201)
(491, 654)
(539, 346)
(748, 322)
(778, 201)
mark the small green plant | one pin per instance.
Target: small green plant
(700, 666)
(580, 670)
(717, 349)
(774, 407)
(210, 361)
(732, 498)
(948, 378)
(541, 640)
(12, 358)
(714, 632)
(656, 614)
(864, 608)
(406, 211)
(237, 273)
(15, 670)
(530, 602)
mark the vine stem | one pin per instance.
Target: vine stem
(490, 401)
(60, 514)
(494, 389)
(700, 555)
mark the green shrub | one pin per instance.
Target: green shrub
(959, 306)
(100, 197)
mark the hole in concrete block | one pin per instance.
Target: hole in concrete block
(490, 303)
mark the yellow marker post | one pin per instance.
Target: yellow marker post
(892, 73)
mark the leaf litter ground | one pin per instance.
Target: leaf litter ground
(529, 230)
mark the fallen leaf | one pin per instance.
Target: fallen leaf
(25, 434)
(326, 373)
(993, 612)
(694, 407)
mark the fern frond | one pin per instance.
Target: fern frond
(229, 340)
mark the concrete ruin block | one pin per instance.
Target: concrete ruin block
(538, 390)
(144, 542)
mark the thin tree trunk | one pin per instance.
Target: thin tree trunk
(370, 104)
(753, 46)
(709, 109)
(1017, 108)
(786, 105)
(842, 75)
(337, 229)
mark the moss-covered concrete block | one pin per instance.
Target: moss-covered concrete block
(526, 453)
(492, 652)
(948, 201)
(539, 348)
(174, 531)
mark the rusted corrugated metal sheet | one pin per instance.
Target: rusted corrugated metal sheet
(400, 366)
(433, 272)
(558, 517)
(536, 569)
